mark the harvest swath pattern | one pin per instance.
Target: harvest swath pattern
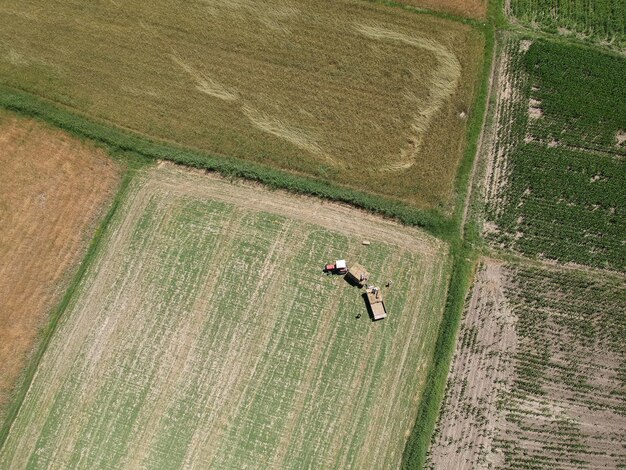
(602, 20)
(205, 335)
(547, 196)
(357, 93)
(539, 379)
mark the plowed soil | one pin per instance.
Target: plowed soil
(538, 376)
(53, 190)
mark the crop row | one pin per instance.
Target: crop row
(539, 362)
(547, 194)
(565, 205)
(597, 19)
(570, 351)
(581, 93)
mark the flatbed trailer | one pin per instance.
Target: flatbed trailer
(376, 303)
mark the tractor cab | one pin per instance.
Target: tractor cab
(340, 267)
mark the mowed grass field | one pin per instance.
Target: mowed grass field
(362, 94)
(205, 335)
(53, 192)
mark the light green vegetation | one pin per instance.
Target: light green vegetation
(360, 94)
(205, 334)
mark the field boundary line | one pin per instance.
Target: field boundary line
(463, 180)
(464, 262)
(463, 268)
(120, 140)
(49, 328)
(481, 138)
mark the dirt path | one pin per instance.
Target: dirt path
(480, 147)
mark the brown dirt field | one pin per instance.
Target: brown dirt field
(53, 192)
(481, 368)
(538, 376)
(470, 8)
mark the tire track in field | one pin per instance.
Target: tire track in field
(99, 287)
(444, 81)
(322, 338)
(402, 349)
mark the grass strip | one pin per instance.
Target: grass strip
(418, 443)
(477, 120)
(416, 449)
(46, 333)
(118, 140)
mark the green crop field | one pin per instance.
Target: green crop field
(205, 334)
(357, 93)
(600, 20)
(581, 94)
(555, 186)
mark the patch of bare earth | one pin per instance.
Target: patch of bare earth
(498, 145)
(538, 375)
(53, 191)
(482, 367)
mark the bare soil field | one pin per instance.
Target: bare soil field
(205, 335)
(53, 192)
(538, 379)
(365, 95)
(476, 9)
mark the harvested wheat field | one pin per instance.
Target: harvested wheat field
(364, 95)
(205, 335)
(53, 192)
(470, 8)
(538, 379)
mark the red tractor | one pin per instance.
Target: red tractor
(340, 267)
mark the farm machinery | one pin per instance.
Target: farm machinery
(340, 267)
(357, 275)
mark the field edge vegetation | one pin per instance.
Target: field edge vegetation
(464, 260)
(122, 141)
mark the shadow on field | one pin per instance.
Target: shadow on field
(367, 306)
